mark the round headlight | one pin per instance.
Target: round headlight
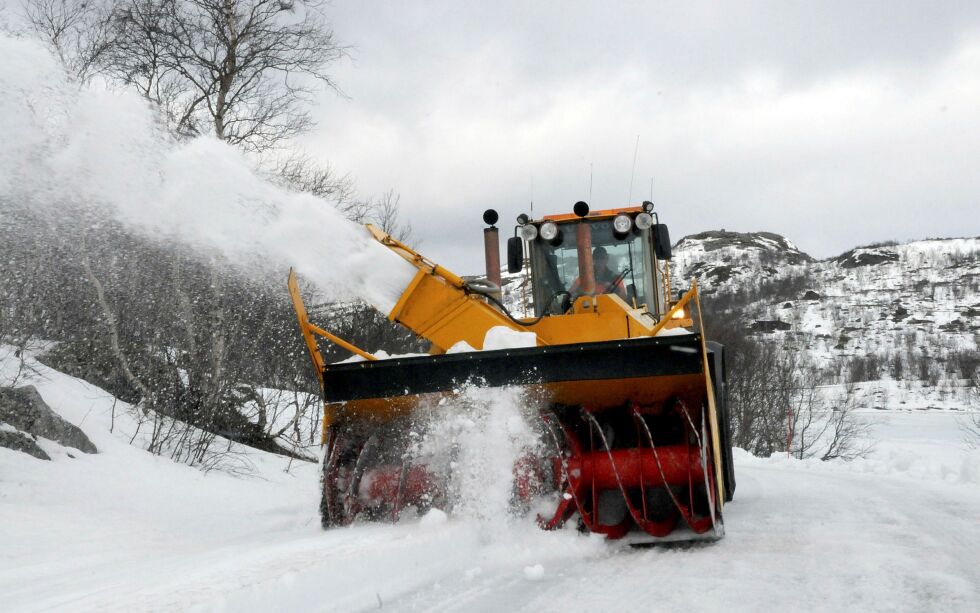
(529, 232)
(549, 230)
(647, 206)
(644, 221)
(622, 224)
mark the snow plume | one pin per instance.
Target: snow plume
(83, 152)
(481, 435)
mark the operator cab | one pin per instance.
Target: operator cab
(636, 249)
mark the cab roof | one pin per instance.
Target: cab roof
(603, 214)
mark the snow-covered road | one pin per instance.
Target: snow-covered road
(126, 531)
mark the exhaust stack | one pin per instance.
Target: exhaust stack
(491, 247)
(586, 271)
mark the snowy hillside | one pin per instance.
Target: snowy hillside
(123, 530)
(731, 259)
(908, 314)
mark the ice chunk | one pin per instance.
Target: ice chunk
(534, 573)
(434, 517)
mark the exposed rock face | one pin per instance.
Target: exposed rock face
(867, 256)
(720, 259)
(770, 325)
(742, 242)
(24, 409)
(18, 441)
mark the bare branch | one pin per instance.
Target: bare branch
(242, 70)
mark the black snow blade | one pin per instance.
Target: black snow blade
(622, 359)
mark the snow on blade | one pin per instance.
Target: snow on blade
(502, 337)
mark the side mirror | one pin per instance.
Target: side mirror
(661, 238)
(515, 254)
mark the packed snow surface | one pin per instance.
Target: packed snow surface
(89, 152)
(124, 530)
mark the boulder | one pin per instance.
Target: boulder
(867, 256)
(767, 326)
(18, 441)
(24, 409)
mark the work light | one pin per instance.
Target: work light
(622, 224)
(549, 230)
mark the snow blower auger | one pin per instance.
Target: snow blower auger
(631, 396)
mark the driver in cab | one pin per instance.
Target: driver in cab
(606, 281)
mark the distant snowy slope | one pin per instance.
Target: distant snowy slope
(907, 313)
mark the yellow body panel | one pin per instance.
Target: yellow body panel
(603, 317)
(445, 315)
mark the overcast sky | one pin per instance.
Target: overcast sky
(833, 123)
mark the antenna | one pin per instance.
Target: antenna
(590, 181)
(633, 172)
(532, 197)
(651, 189)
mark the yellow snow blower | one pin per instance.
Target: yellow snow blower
(630, 395)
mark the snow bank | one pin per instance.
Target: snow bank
(89, 152)
(925, 446)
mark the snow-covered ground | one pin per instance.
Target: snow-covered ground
(124, 530)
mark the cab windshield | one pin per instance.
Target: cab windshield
(622, 266)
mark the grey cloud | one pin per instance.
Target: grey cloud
(831, 123)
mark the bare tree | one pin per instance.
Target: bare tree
(849, 436)
(971, 423)
(828, 428)
(776, 400)
(141, 57)
(78, 31)
(761, 384)
(383, 211)
(299, 171)
(241, 70)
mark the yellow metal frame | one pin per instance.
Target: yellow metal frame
(712, 407)
(310, 331)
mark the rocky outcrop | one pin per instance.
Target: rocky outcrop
(769, 325)
(725, 261)
(867, 256)
(775, 245)
(18, 441)
(25, 410)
